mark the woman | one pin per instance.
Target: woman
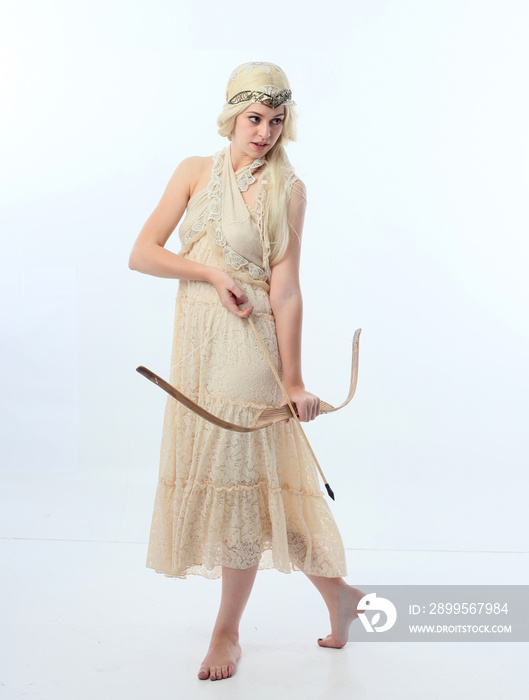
(229, 503)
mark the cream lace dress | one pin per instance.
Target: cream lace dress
(225, 498)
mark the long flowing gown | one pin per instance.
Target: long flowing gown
(225, 498)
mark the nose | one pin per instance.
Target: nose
(264, 129)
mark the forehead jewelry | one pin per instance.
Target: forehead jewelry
(271, 100)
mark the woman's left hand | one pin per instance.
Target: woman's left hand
(307, 404)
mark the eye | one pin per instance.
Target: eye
(277, 120)
(258, 119)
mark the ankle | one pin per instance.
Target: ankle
(225, 633)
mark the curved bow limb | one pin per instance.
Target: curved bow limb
(284, 413)
(188, 403)
(268, 416)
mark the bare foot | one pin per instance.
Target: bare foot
(348, 612)
(221, 659)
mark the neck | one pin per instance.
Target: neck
(238, 159)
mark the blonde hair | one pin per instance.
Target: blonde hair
(278, 173)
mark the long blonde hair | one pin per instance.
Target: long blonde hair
(278, 173)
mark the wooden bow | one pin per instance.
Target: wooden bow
(267, 416)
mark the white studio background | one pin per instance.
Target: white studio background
(413, 141)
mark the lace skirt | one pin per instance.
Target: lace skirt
(225, 498)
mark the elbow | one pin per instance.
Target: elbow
(275, 303)
(135, 259)
(279, 301)
(143, 256)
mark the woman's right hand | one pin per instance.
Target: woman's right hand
(230, 294)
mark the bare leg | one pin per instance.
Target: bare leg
(224, 648)
(328, 587)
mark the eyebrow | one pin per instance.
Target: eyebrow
(258, 114)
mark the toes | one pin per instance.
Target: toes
(330, 642)
(216, 673)
(221, 672)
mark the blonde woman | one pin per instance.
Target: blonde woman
(228, 503)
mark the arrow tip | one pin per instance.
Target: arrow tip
(330, 491)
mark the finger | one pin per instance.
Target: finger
(246, 312)
(232, 306)
(239, 295)
(302, 412)
(314, 407)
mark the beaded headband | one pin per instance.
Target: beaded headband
(279, 97)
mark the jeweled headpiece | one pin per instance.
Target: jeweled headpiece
(272, 98)
(268, 94)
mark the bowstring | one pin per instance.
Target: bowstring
(195, 349)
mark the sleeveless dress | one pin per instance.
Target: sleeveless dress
(225, 498)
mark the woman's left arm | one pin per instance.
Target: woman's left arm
(287, 307)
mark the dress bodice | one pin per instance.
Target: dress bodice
(220, 211)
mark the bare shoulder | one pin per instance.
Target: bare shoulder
(190, 173)
(199, 170)
(194, 166)
(298, 201)
(299, 190)
(297, 206)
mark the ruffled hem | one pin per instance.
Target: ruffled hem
(265, 564)
(240, 526)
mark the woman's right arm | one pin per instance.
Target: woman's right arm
(148, 254)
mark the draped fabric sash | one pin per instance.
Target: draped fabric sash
(222, 212)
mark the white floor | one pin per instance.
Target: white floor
(84, 619)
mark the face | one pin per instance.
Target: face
(256, 130)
